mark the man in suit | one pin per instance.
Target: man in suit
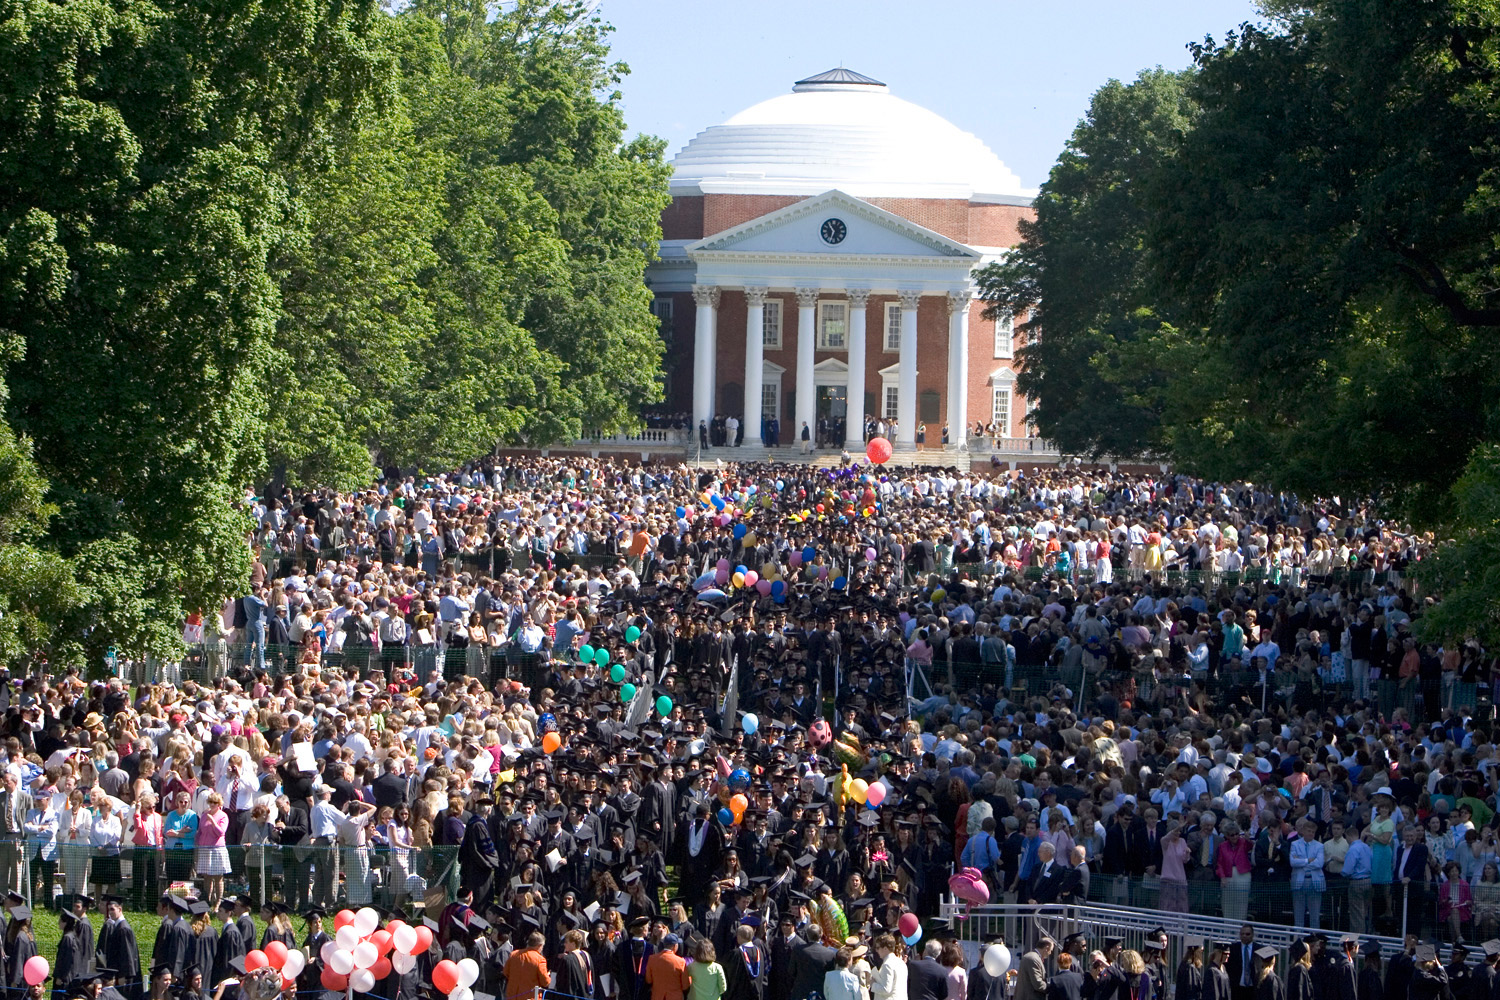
(1411, 878)
(1067, 981)
(1031, 981)
(1242, 966)
(783, 948)
(926, 977)
(812, 960)
(1047, 879)
(390, 788)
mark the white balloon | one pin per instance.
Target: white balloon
(468, 972)
(347, 937)
(366, 955)
(362, 980)
(365, 921)
(326, 952)
(462, 993)
(402, 962)
(996, 960)
(342, 962)
(404, 940)
(295, 963)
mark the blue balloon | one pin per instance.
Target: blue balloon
(809, 554)
(741, 569)
(778, 587)
(726, 817)
(739, 531)
(840, 582)
(914, 938)
(780, 598)
(547, 721)
(682, 512)
(780, 485)
(750, 723)
(739, 779)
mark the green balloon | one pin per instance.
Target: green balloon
(601, 657)
(627, 692)
(617, 673)
(585, 654)
(664, 706)
(632, 634)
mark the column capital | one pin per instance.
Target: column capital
(807, 297)
(909, 300)
(706, 295)
(755, 295)
(959, 299)
(858, 297)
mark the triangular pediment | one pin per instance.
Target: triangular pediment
(833, 224)
(831, 366)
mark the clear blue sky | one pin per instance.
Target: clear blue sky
(1017, 74)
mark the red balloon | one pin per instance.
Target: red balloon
(332, 980)
(287, 984)
(341, 919)
(909, 923)
(275, 954)
(879, 452)
(424, 940)
(255, 960)
(445, 976)
(381, 940)
(381, 968)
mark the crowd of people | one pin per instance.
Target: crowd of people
(594, 720)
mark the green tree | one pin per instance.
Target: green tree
(1080, 276)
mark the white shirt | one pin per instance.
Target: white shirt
(889, 982)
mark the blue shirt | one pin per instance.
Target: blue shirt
(981, 851)
(1358, 860)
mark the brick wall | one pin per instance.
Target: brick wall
(725, 211)
(683, 219)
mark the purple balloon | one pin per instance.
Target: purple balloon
(822, 572)
(869, 555)
(763, 587)
(795, 558)
(721, 575)
(723, 564)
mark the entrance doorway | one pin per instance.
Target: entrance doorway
(833, 407)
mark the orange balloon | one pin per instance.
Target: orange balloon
(551, 742)
(737, 805)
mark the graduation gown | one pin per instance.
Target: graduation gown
(1215, 983)
(288, 938)
(201, 952)
(86, 936)
(1270, 987)
(745, 969)
(630, 965)
(1299, 983)
(1189, 982)
(658, 814)
(231, 946)
(575, 974)
(246, 924)
(478, 861)
(175, 947)
(69, 966)
(17, 953)
(118, 951)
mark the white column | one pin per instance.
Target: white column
(958, 365)
(906, 399)
(854, 424)
(705, 329)
(807, 339)
(755, 362)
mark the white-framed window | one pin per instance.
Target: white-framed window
(1005, 336)
(770, 398)
(772, 325)
(833, 326)
(892, 396)
(1000, 412)
(893, 328)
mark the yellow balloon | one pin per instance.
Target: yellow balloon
(858, 789)
(749, 538)
(939, 594)
(738, 579)
(768, 570)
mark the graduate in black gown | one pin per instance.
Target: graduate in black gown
(20, 945)
(1215, 975)
(231, 945)
(118, 951)
(1190, 973)
(312, 947)
(174, 947)
(204, 944)
(745, 967)
(82, 903)
(69, 966)
(244, 919)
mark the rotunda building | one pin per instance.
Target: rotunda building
(816, 268)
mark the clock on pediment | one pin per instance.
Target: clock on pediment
(834, 231)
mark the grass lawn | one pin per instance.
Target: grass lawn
(44, 925)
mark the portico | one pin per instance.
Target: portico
(832, 261)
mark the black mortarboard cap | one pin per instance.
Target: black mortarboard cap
(238, 964)
(1266, 952)
(20, 912)
(1424, 953)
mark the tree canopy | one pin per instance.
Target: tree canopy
(293, 239)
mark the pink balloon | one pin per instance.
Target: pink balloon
(969, 889)
(722, 764)
(875, 794)
(36, 970)
(750, 577)
(794, 559)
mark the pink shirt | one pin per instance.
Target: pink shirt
(1233, 858)
(147, 830)
(211, 828)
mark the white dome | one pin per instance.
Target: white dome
(843, 130)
